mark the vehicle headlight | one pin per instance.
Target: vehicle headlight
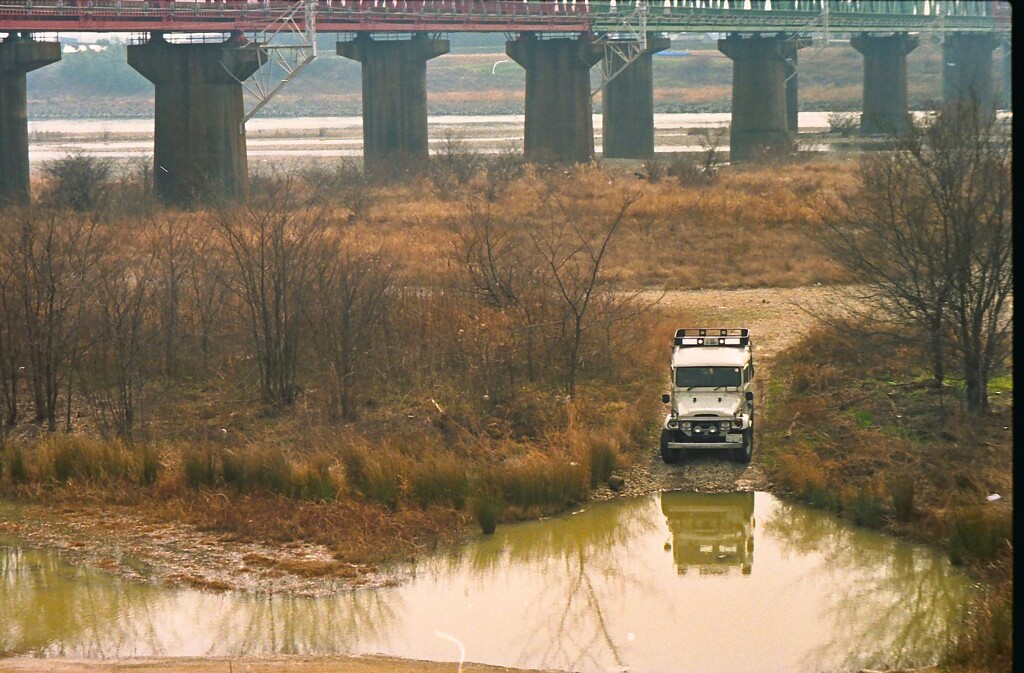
(672, 423)
(737, 422)
(685, 425)
(724, 425)
(713, 429)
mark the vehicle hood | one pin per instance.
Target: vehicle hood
(691, 402)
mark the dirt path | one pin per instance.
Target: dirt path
(777, 318)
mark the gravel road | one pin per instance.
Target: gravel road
(777, 318)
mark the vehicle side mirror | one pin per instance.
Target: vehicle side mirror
(750, 396)
(665, 398)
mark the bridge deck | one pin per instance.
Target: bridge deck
(442, 16)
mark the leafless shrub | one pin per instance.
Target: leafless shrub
(50, 260)
(843, 123)
(78, 181)
(275, 246)
(453, 165)
(352, 294)
(501, 171)
(572, 251)
(115, 358)
(928, 235)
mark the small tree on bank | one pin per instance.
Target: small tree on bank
(928, 237)
(572, 251)
(275, 250)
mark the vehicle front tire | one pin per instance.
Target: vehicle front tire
(745, 452)
(670, 456)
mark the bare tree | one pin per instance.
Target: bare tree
(897, 251)
(572, 249)
(207, 291)
(51, 256)
(11, 345)
(172, 237)
(501, 271)
(123, 294)
(352, 299)
(275, 246)
(928, 234)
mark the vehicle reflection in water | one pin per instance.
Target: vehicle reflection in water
(590, 591)
(712, 532)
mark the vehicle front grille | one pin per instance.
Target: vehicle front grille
(701, 432)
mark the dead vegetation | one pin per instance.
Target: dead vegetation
(339, 362)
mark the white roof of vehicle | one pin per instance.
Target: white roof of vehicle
(713, 356)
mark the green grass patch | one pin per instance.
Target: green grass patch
(547, 485)
(487, 505)
(17, 468)
(1001, 384)
(865, 509)
(603, 459)
(865, 419)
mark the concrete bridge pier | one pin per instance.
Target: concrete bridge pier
(792, 87)
(885, 82)
(395, 137)
(559, 123)
(1006, 63)
(628, 107)
(761, 116)
(199, 138)
(967, 68)
(18, 55)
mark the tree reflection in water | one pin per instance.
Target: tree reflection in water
(49, 608)
(577, 577)
(899, 601)
(52, 609)
(567, 593)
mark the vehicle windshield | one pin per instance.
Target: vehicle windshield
(708, 377)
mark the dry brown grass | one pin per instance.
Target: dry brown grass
(357, 532)
(753, 227)
(850, 414)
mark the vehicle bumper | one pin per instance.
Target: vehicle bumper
(705, 445)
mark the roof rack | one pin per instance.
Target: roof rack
(688, 337)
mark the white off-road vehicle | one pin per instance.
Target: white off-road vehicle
(712, 399)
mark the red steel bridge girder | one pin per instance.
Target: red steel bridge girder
(340, 16)
(548, 16)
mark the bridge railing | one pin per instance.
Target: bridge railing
(511, 15)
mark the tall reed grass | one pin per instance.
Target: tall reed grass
(65, 459)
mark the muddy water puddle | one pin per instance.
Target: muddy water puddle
(667, 582)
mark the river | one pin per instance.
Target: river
(673, 581)
(303, 137)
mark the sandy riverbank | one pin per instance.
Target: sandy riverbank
(294, 664)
